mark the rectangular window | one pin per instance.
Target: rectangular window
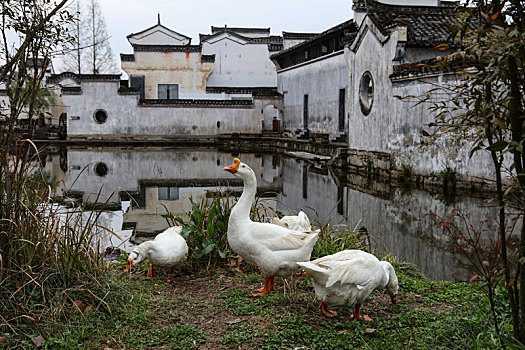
(305, 112)
(168, 193)
(342, 99)
(168, 91)
(137, 81)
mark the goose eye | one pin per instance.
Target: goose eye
(242, 166)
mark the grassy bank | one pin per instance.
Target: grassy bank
(213, 311)
(98, 306)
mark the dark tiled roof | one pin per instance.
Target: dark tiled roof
(55, 78)
(426, 67)
(167, 48)
(124, 57)
(427, 26)
(297, 36)
(198, 103)
(241, 30)
(274, 42)
(349, 28)
(255, 91)
(273, 39)
(275, 47)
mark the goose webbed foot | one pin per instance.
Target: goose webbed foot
(358, 316)
(269, 285)
(326, 311)
(150, 271)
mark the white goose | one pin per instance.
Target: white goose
(168, 249)
(299, 222)
(348, 277)
(274, 249)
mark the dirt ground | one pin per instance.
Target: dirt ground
(198, 301)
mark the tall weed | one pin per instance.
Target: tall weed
(49, 256)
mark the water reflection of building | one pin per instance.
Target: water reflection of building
(140, 184)
(313, 190)
(156, 180)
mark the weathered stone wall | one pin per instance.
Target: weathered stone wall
(394, 126)
(126, 118)
(183, 68)
(321, 80)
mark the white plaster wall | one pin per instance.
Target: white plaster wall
(321, 80)
(394, 126)
(126, 117)
(240, 64)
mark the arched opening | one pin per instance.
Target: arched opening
(271, 118)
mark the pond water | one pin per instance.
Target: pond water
(137, 185)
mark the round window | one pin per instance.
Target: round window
(100, 116)
(101, 169)
(366, 92)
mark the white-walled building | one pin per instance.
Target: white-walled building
(383, 124)
(176, 88)
(313, 78)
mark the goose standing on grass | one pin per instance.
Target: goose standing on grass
(168, 249)
(274, 249)
(348, 277)
(299, 222)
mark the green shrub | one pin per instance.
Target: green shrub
(206, 230)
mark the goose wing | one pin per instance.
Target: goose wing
(349, 266)
(276, 238)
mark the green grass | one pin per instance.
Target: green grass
(140, 313)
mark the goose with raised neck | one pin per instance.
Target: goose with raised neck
(274, 249)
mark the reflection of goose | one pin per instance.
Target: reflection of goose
(348, 277)
(168, 249)
(298, 222)
(274, 249)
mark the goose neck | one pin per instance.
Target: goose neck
(243, 206)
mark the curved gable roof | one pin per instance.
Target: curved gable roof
(158, 35)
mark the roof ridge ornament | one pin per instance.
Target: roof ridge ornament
(158, 18)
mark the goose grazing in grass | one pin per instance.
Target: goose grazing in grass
(274, 249)
(348, 277)
(168, 249)
(299, 222)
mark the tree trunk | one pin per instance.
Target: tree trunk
(516, 125)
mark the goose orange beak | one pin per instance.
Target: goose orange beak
(234, 167)
(129, 265)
